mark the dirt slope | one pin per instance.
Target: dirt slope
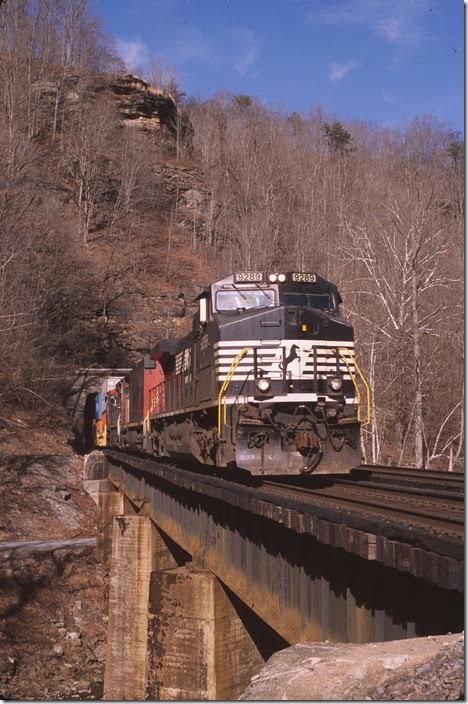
(52, 618)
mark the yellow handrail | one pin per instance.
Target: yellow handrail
(223, 416)
(356, 387)
(366, 385)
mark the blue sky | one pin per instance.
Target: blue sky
(382, 61)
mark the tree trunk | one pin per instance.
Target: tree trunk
(375, 439)
(418, 401)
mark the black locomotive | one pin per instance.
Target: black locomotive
(266, 381)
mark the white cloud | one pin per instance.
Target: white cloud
(134, 52)
(391, 29)
(339, 71)
(394, 22)
(249, 52)
(190, 45)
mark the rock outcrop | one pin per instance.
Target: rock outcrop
(139, 103)
(142, 105)
(425, 669)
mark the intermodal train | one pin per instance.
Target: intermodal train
(266, 381)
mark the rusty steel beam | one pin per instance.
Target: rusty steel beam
(308, 578)
(405, 547)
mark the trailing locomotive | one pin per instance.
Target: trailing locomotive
(266, 381)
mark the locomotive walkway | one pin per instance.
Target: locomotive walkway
(376, 556)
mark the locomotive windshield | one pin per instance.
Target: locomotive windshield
(245, 298)
(322, 301)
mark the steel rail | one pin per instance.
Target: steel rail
(421, 491)
(411, 472)
(430, 490)
(420, 481)
(439, 515)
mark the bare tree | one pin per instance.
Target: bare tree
(400, 254)
(86, 155)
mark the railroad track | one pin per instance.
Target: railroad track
(432, 501)
(421, 480)
(416, 503)
(411, 471)
(451, 481)
(438, 512)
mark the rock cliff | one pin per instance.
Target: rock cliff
(149, 277)
(139, 103)
(142, 105)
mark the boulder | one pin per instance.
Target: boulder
(425, 669)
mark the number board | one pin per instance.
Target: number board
(307, 278)
(245, 277)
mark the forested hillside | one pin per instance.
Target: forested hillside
(111, 219)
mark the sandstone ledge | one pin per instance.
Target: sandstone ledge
(425, 669)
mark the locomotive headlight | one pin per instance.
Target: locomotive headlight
(282, 278)
(263, 385)
(272, 278)
(336, 383)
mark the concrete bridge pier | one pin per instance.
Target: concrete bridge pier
(110, 504)
(135, 544)
(110, 501)
(174, 630)
(198, 646)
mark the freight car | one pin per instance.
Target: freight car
(266, 381)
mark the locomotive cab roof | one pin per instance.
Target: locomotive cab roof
(264, 279)
(288, 281)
